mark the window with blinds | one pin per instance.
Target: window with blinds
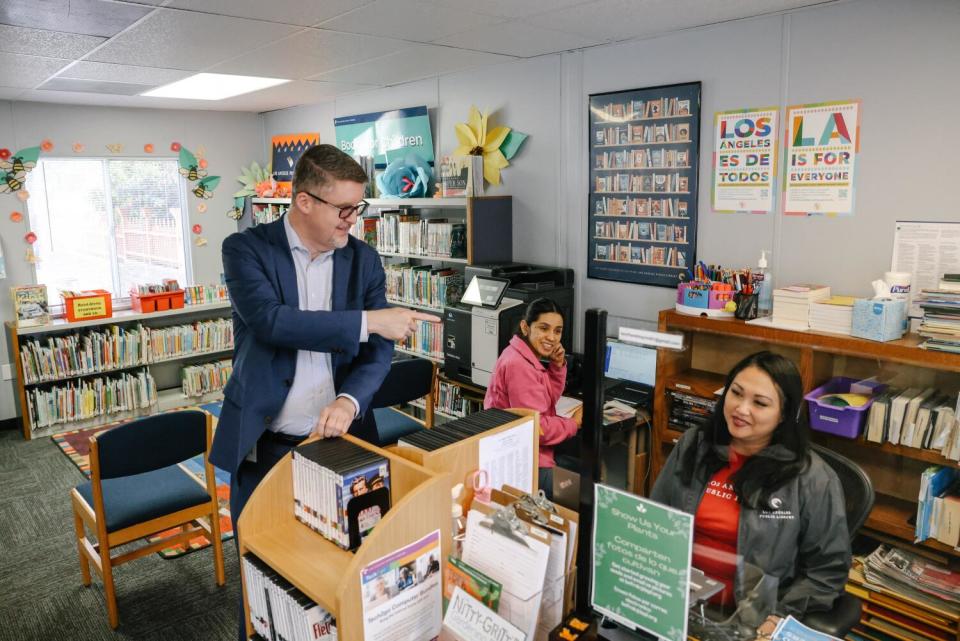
(108, 223)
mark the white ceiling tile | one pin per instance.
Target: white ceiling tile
(53, 44)
(301, 92)
(419, 61)
(309, 53)
(415, 20)
(298, 12)
(516, 39)
(87, 17)
(94, 86)
(28, 71)
(184, 40)
(508, 8)
(84, 70)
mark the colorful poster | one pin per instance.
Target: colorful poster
(745, 160)
(286, 152)
(820, 153)
(401, 593)
(641, 565)
(386, 135)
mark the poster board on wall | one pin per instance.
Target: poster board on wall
(287, 150)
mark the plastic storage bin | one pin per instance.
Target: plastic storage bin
(161, 302)
(841, 421)
(90, 305)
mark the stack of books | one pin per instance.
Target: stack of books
(423, 285)
(451, 401)
(937, 517)
(427, 340)
(198, 380)
(906, 576)
(400, 232)
(941, 318)
(90, 398)
(915, 417)
(455, 431)
(791, 305)
(278, 610)
(834, 315)
(688, 410)
(340, 490)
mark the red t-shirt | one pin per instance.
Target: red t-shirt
(715, 529)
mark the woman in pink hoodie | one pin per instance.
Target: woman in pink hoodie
(531, 373)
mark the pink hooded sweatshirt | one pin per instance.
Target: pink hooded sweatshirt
(520, 380)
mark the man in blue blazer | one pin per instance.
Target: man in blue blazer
(312, 331)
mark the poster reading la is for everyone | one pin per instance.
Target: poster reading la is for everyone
(745, 160)
(820, 158)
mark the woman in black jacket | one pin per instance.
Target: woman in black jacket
(759, 495)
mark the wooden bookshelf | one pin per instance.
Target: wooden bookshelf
(714, 345)
(328, 574)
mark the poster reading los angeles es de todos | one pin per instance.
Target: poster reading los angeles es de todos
(820, 158)
(745, 160)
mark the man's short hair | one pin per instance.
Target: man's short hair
(322, 164)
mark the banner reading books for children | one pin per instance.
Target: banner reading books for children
(822, 143)
(745, 160)
(386, 135)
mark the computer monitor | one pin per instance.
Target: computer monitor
(485, 291)
(628, 362)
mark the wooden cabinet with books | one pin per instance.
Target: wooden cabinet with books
(322, 571)
(688, 380)
(88, 373)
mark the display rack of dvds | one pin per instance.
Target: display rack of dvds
(325, 573)
(89, 373)
(644, 156)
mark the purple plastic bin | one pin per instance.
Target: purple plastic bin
(841, 421)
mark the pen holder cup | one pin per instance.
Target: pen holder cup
(746, 306)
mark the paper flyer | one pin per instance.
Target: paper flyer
(401, 593)
(508, 457)
(745, 160)
(821, 145)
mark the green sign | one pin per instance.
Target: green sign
(641, 563)
(386, 135)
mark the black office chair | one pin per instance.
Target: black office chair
(858, 501)
(407, 380)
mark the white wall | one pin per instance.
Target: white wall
(231, 140)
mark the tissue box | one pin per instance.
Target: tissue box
(879, 320)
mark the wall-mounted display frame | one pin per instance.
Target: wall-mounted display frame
(644, 155)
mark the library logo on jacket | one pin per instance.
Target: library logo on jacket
(777, 511)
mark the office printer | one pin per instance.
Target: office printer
(528, 282)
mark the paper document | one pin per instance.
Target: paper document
(566, 406)
(507, 457)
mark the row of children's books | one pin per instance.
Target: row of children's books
(281, 612)
(646, 134)
(427, 340)
(201, 379)
(203, 294)
(648, 183)
(340, 489)
(400, 232)
(642, 159)
(640, 255)
(115, 347)
(423, 284)
(91, 398)
(451, 401)
(636, 230)
(915, 417)
(637, 109)
(657, 207)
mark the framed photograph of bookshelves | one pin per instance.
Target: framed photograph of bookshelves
(644, 158)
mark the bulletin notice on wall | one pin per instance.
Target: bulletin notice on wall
(401, 593)
(926, 251)
(745, 160)
(821, 145)
(641, 566)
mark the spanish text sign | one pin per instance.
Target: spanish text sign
(745, 160)
(820, 153)
(641, 563)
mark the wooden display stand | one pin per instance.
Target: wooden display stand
(328, 574)
(713, 346)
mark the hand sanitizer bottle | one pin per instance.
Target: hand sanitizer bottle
(764, 286)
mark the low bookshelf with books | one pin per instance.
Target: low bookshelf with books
(96, 372)
(906, 434)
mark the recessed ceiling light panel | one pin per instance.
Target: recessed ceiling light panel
(213, 86)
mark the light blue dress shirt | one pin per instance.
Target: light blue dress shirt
(312, 387)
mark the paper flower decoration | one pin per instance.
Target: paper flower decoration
(78, 147)
(203, 163)
(200, 241)
(406, 178)
(496, 145)
(251, 178)
(31, 257)
(174, 146)
(4, 153)
(202, 208)
(23, 195)
(148, 148)
(15, 216)
(189, 166)
(30, 237)
(46, 145)
(115, 148)
(197, 229)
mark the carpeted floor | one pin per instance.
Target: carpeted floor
(41, 597)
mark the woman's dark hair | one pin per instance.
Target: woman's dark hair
(760, 476)
(536, 308)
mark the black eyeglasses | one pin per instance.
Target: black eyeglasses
(344, 212)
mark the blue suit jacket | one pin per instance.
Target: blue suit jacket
(269, 328)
